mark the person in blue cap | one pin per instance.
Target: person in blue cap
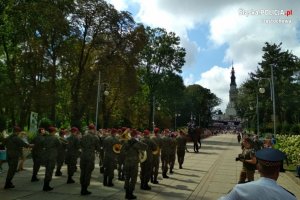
(266, 187)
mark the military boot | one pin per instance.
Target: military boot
(70, 180)
(9, 185)
(46, 186)
(110, 183)
(84, 190)
(165, 175)
(34, 178)
(58, 173)
(131, 196)
(105, 180)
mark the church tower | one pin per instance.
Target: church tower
(230, 112)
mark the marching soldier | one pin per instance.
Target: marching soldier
(38, 153)
(72, 153)
(181, 146)
(61, 152)
(146, 166)
(51, 146)
(123, 138)
(172, 152)
(102, 134)
(165, 153)
(110, 159)
(131, 150)
(156, 156)
(89, 144)
(14, 145)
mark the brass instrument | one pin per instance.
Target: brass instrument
(156, 151)
(63, 140)
(117, 148)
(126, 135)
(142, 156)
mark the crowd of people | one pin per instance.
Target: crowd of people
(125, 150)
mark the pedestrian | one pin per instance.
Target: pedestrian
(247, 157)
(14, 145)
(89, 144)
(181, 146)
(266, 187)
(146, 166)
(110, 158)
(38, 153)
(130, 150)
(72, 153)
(51, 145)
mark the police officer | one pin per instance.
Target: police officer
(181, 146)
(38, 153)
(14, 145)
(72, 153)
(131, 150)
(146, 166)
(89, 144)
(51, 145)
(110, 158)
(265, 188)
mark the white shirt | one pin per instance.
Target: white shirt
(261, 189)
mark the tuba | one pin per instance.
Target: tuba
(142, 156)
(156, 151)
(117, 148)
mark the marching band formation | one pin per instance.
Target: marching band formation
(124, 150)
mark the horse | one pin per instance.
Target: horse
(194, 135)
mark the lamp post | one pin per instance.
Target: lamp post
(153, 112)
(176, 115)
(99, 98)
(272, 94)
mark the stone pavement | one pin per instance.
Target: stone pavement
(206, 176)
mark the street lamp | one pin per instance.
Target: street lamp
(272, 94)
(176, 115)
(153, 112)
(105, 92)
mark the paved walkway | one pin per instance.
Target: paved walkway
(206, 176)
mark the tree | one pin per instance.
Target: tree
(161, 56)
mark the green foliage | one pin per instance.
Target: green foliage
(45, 123)
(295, 129)
(2, 123)
(290, 145)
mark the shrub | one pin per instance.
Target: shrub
(295, 129)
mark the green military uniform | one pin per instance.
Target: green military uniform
(72, 153)
(155, 162)
(14, 145)
(109, 160)
(51, 146)
(172, 152)
(165, 154)
(89, 144)
(146, 166)
(61, 155)
(181, 146)
(120, 159)
(130, 150)
(101, 153)
(37, 155)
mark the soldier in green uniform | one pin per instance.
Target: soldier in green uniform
(72, 153)
(172, 152)
(165, 153)
(61, 152)
(130, 150)
(89, 144)
(51, 145)
(110, 158)
(14, 145)
(156, 156)
(146, 166)
(37, 153)
(181, 146)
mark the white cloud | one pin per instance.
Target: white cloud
(244, 36)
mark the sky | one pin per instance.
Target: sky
(220, 34)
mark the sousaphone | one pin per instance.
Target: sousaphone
(117, 148)
(142, 156)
